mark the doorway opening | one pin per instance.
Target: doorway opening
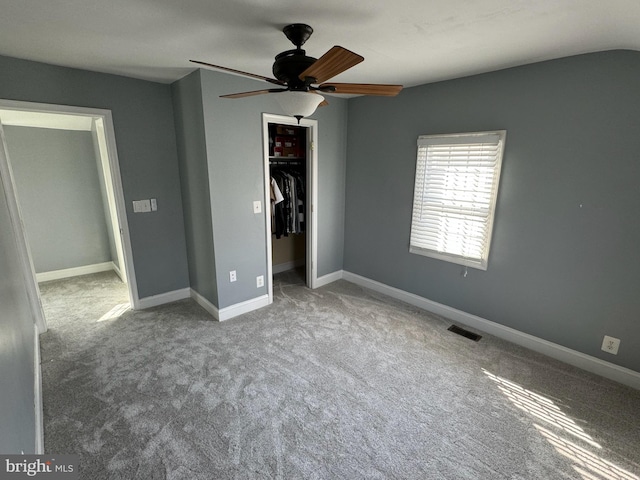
(65, 164)
(290, 171)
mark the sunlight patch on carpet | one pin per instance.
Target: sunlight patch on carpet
(582, 458)
(587, 464)
(115, 312)
(540, 407)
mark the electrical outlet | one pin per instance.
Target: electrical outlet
(232, 276)
(260, 281)
(610, 344)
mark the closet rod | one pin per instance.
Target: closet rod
(285, 162)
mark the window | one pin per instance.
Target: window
(455, 196)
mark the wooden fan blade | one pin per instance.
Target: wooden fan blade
(254, 92)
(239, 72)
(332, 63)
(364, 89)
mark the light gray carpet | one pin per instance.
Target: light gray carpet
(334, 383)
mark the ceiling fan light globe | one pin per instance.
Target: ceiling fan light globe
(298, 104)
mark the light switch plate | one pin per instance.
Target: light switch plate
(257, 206)
(141, 206)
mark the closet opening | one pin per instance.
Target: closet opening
(288, 192)
(290, 185)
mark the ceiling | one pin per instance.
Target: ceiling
(403, 41)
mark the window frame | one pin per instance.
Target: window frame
(470, 138)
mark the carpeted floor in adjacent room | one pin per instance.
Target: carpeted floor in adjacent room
(334, 383)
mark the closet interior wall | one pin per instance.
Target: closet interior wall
(288, 176)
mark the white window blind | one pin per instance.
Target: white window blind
(455, 195)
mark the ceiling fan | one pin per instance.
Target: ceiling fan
(304, 78)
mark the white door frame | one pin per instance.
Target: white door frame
(312, 196)
(104, 117)
(98, 130)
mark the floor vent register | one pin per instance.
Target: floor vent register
(465, 333)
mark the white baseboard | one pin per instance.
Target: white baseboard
(233, 310)
(37, 394)
(219, 314)
(243, 307)
(284, 267)
(161, 299)
(591, 364)
(206, 304)
(118, 272)
(74, 272)
(327, 279)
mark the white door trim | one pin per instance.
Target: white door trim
(98, 130)
(29, 273)
(116, 181)
(312, 196)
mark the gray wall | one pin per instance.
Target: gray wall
(233, 130)
(17, 418)
(564, 260)
(194, 179)
(58, 186)
(332, 154)
(145, 137)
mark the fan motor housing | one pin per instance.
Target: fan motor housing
(289, 65)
